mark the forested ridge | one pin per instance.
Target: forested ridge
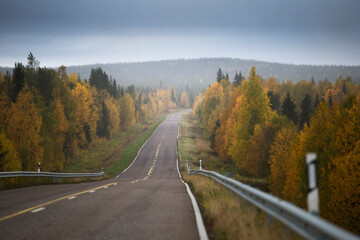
(46, 115)
(266, 128)
(199, 73)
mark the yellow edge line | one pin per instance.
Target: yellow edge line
(50, 202)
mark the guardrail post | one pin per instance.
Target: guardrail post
(313, 191)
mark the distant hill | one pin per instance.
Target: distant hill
(199, 73)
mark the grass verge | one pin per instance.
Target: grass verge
(117, 153)
(226, 215)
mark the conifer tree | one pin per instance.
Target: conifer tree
(288, 108)
(274, 99)
(305, 111)
(18, 80)
(316, 102)
(213, 134)
(220, 75)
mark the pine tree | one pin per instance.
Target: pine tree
(288, 108)
(220, 76)
(32, 61)
(305, 111)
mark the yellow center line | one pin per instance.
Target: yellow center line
(152, 165)
(50, 202)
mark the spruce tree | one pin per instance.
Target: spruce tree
(305, 111)
(330, 101)
(288, 108)
(18, 80)
(316, 102)
(103, 125)
(237, 79)
(213, 134)
(274, 99)
(220, 76)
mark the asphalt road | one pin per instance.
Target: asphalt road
(147, 201)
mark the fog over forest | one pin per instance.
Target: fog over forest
(200, 73)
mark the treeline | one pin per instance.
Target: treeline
(266, 128)
(199, 73)
(47, 115)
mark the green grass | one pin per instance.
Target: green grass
(116, 154)
(225, 214)
(131, 150)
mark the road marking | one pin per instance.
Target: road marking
(140, 150)
(38, 210)
(92, 191)
(72, 197)
(50, 202)
(199, 221)
(106, 187)
(152, 165)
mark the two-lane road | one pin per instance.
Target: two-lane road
(147, 201)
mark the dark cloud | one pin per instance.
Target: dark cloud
(326, 30)
(114, 15)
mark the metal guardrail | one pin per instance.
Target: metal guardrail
(306, 224)
(49, 174)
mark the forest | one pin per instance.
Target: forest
(265, 128)
(46, 115)
(199, 73)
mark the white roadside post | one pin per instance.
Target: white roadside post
(200, 164)
(313, 191)
(39, 167)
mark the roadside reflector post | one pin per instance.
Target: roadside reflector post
(102, 169)
(38, 166)
(200, 164)
(313, 191)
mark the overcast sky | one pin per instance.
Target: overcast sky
(75, 32)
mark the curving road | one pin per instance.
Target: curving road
(147, 201)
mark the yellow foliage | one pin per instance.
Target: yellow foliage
(10, 160)
(61, 129)
(252, 108)
(127, 111)
(279, 155)
(86, 114)
(184, 100)
(196, 109)
(212, 104)
(344, 183)
(114, 116)
(24, 130)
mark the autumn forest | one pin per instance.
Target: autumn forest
(262, 126)
(47, 116)
(266, 128)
